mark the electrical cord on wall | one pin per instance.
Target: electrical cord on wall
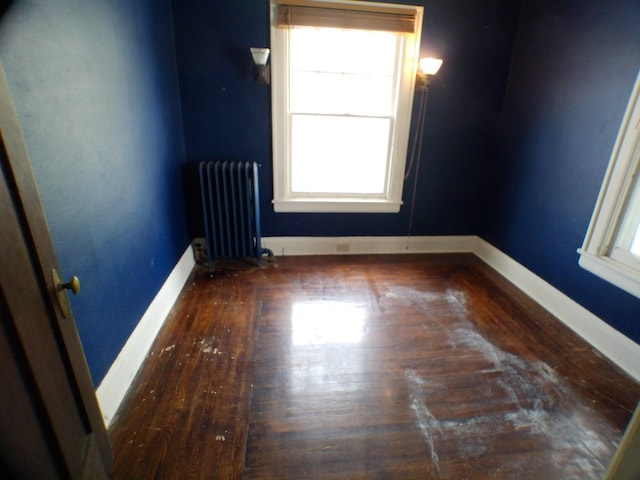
(416, 152)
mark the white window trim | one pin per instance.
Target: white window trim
(596, 252)
(284, 200)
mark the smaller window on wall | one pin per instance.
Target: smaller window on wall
(611, 247)
(343, 73)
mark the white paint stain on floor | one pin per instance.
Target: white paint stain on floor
(533, 391)
(206, 346)
(167, 349)
(427, 423)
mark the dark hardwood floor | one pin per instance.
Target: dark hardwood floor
(406, 366)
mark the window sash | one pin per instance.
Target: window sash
(383, 170)
(348, 157)
(333, 71)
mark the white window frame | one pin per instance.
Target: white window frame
(285, 200)
(597, 253)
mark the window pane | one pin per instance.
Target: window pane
(635, 244)
(339, 154)
(342, 71)
(340, 51)
(628, 238)
(315, 92)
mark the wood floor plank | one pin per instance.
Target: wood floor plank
(372, 366)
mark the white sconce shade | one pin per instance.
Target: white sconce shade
(430, 66)
(260, 55)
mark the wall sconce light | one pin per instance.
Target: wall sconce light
(428, 68)
(261, 73)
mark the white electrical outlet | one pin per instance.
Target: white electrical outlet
(342, 247)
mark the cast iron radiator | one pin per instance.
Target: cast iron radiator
(231, 208)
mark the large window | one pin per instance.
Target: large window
(343, 75)
(612, 245)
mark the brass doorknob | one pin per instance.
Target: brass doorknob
(63, 301)
(73, 285)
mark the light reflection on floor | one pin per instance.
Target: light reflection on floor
(326, 357)
(327, 322)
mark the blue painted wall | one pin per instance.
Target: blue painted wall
(227, 116)
(96, 91)
(574, 66)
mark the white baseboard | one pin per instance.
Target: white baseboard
(290, 246)
(620, 349)
(118, 379)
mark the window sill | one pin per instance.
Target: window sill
(327, 205)
(614, 272)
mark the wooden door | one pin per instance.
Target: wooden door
(50, 422)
